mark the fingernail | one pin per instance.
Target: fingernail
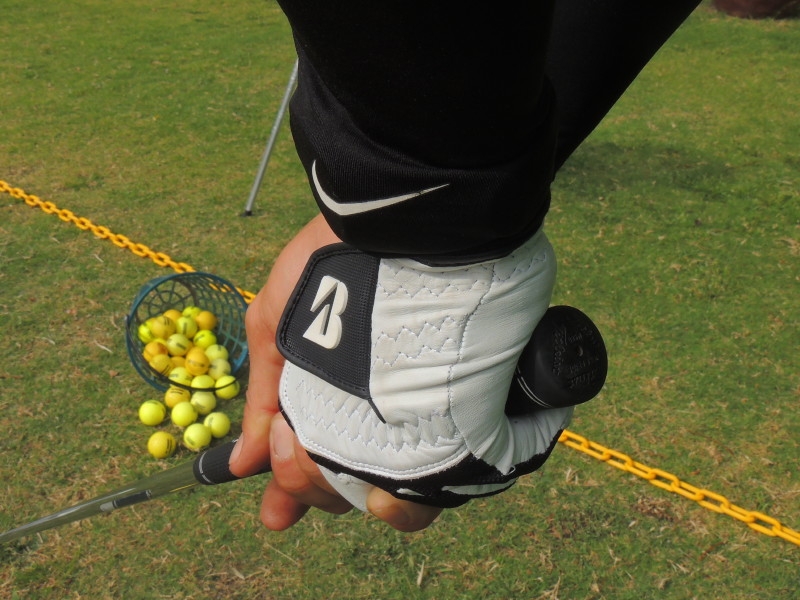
(237, 449)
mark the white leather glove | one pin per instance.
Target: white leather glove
(397, 373)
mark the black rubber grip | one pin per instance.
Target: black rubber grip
(211, 467)
(564, 364)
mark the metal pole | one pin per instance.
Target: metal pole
(248, 209)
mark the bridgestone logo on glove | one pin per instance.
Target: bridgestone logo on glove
(326, 329)
(397, 373)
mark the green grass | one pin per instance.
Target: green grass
(677, 227)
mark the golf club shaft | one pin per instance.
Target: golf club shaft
(210, 468)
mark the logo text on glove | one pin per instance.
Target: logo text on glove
(326, 329)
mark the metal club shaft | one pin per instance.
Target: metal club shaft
(210, 468)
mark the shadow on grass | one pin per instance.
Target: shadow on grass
(608, 166)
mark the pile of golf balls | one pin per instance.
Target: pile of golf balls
(182, 346)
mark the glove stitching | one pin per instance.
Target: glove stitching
(460, 353)
(328, 405)
(519, 269)
(405, 445)
(427, 328)
(400, 277)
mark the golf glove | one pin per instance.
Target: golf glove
(397, 372)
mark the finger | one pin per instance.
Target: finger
(252, 450)
(280, 510)
(251, 453)
(307, 465)
(401, 514)
(297, 475)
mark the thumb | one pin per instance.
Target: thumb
(251, 452)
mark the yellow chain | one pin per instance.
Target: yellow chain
(669, 482)
(102, 232)
(661, 479)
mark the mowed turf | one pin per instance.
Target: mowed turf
(677, 228)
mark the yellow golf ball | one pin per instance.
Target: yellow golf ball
(162, 364)
(203, 382)
(191, 311)
(216, 351)
(162, 327)
(183, 414)
(145, 334)
(178, 344)
(197, 437)
(204, 402)
(152, 412)
(175, 395)
(218, 423)
(227, 387)
(205, 319)
(186, 326)
(219, 367)
(161, 444)
(204, 338)
(181, 375)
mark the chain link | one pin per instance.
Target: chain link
(666, 481)
(669, 482)
(104, 233)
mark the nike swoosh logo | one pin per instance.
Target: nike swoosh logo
(346, 209)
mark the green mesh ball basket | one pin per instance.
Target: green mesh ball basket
(178, 291)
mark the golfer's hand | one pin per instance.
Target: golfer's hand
(297, 483)
(397, 372)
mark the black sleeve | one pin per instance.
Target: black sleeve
(597, 49)
(430, 129)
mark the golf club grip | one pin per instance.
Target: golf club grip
(212, 468)
(564, 364)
